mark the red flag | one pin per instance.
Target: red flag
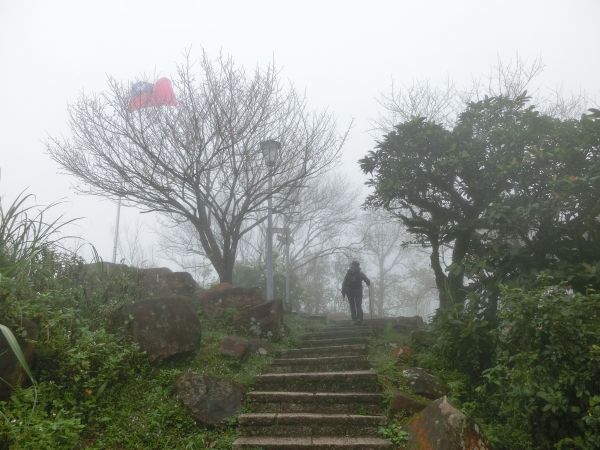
(144, 94)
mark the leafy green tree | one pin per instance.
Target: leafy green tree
(506, 192)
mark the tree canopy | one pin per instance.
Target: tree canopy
(506, 192)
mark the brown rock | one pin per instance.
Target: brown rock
(12, 373)
(441, 426)
(235, 347)
(260, 346)
(217, 300)
(404, 404)
(210, 400)
(265, 319)
(107, 279)
(403, 353)
(162, 327)
(423, 383)
(162, 282)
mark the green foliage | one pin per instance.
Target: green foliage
(464, 341)
(394, 431)
(513, 194)
(26, 428)
(389, 370)
(545, 380)
(16, 349)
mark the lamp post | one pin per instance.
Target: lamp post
(270, 150)
(286, 237)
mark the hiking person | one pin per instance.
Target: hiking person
(352, 288)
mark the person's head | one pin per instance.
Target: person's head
(355, 265)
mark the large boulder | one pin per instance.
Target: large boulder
(234, 347)
(162, 327)
(423, 383)
(110, 279)
(265, 319)
(405, 405)
(162, 282)
(209, 400)
(12, 373)
(216, 301)
(441, 426)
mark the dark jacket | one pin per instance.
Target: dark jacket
(352, 285)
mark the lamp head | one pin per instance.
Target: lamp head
(270, 150)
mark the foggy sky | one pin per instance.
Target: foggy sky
(343, 54)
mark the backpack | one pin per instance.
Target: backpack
(354, 280)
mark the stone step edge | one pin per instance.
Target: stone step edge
(319, 375)
(328, 442)
(340, 332)
(330, 348)
(319, 359)
(340, 397)
(330, 337)
(344, 340)
(250, 419)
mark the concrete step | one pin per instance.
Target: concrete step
(333, 334)
(312, 443)
(373, 323)
(311, 402)
(333, 341)
(320, 364)
(347, 327)
(338, 350)
(309, 424)
(343, 381)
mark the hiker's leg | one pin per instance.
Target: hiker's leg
(352, 301)
(359, 311)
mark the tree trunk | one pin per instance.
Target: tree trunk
(226, 272)
(441, 281)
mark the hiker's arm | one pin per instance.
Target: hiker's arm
(365, 279)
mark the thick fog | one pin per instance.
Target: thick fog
(342, 54)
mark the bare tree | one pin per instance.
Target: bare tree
(317, 221)
(507, 78)
(132, 249)
(419, 99)
(383, 239)
(200, 162)
(441, 104)
(320, 221)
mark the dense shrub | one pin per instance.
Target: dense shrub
(532, 381)
(545, 380)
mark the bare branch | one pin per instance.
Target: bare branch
(200, 161)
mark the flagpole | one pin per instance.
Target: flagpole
(114, 255)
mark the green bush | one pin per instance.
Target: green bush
(464, 341)
(545, 380)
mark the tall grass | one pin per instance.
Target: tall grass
(24, 235)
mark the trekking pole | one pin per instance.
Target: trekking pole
(370, 302)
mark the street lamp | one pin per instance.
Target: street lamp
(270, 150)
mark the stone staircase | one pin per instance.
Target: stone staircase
(322, 395)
